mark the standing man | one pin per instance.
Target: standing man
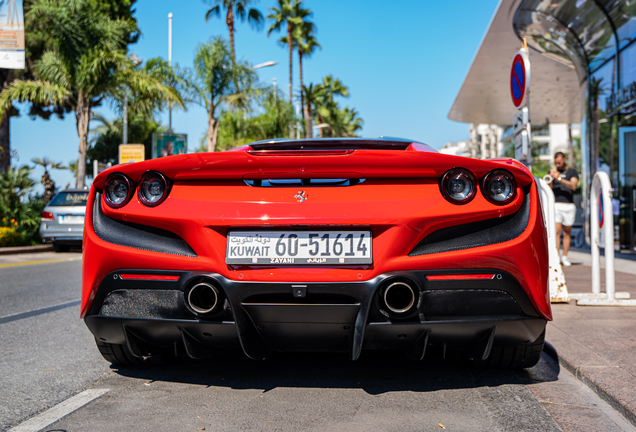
(564, 182)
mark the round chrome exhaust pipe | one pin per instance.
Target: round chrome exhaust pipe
(399, 297)
(203, 298)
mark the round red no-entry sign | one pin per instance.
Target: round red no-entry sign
(519, 79)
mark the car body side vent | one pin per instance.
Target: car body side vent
(476, 234)
(137, 236)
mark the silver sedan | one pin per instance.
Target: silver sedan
(62, 222)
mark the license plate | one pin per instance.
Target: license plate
(299, 247)
(71, 219)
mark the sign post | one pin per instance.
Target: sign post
(520, 91)
(12, 34)
(131, 153)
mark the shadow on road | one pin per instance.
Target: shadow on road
(376, 372)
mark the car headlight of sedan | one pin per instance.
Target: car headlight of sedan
(117, 190)
(153, 189)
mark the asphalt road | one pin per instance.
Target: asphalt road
(48, 356)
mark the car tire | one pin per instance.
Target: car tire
(120, 355)
(513, 357)
(61, 247)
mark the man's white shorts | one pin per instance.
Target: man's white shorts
(564, 213)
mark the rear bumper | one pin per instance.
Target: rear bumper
(263, 317)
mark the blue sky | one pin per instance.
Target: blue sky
(403, 61)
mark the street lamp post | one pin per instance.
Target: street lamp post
(266, 64)
(275, 94)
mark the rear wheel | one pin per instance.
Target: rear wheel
(513, 357)
(121, 355)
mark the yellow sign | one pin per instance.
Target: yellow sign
(129, 153)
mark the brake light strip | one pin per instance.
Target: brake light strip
(459, 276)
(149, 277)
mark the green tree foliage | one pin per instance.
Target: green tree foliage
(220, 80)
(86, 65)
(108, 135)
(313, 96)
(306, 43)
(290, 15)
(273, 118)
(39, 39)
(236, 9)
(17, 210)
(341, 122)
(47, 181)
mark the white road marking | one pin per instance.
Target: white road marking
(58, 411)
(35, 312)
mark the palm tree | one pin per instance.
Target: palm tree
(220, 80)
(239, 9)
(15, 184)
(306, 44)
(47, 181)
(313, 96)
(334, 87)
(87, 65)
(291, 15)
(350, 123)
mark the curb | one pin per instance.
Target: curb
(25, 249)
(603, 392)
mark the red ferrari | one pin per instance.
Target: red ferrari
(316, 245)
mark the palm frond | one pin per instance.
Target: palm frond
(42, 92)
(51, 67)
(215, 11)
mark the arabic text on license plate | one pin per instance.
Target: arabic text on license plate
(299, 247)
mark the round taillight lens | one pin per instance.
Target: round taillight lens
(458, 186)
(499, 187)
(117, 191)
(153, 189)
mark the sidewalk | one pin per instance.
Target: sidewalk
(598, 344)
(25, 249)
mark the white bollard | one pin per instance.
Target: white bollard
(556, 279)
(601, 183)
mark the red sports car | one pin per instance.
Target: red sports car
(329, 244)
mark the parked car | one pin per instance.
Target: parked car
(329, 244)
(62, 221)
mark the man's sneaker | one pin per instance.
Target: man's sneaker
(565, 261)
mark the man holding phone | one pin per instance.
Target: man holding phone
(564, 182)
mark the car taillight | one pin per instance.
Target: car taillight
(47, 216)
(499, 187)
(458, 186)
(153, 189)
(117, 190)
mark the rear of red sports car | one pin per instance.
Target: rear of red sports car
(317, 245)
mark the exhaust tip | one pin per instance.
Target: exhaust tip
(203, 298)
(399, 297)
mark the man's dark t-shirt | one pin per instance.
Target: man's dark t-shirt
(563, 194)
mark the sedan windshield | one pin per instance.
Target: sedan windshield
(69, 199)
